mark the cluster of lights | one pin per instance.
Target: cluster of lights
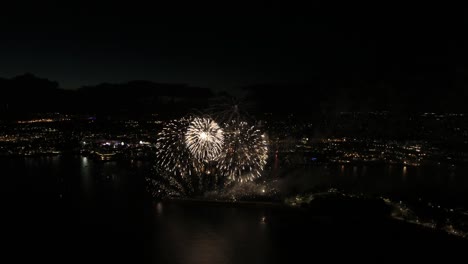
(43, 120)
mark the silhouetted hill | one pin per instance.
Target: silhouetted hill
(332, 97)
(146, 88)
(143, 96)
(28, 93)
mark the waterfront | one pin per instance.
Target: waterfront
(77, 179)
(440, 184)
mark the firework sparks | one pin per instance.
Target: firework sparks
(204, 139)
(196, 156)
(172, 154)
(246, 153)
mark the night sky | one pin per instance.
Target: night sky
(229, 46)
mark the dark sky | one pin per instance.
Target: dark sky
(226, 46)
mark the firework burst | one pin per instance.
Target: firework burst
(245, 153)
(204, 139)
(172, 154)
(195, 156)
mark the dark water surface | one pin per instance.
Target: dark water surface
(68, 209)
(441, 184)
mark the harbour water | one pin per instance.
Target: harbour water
(72, 209)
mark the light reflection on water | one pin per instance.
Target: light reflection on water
(206, 234)
(433, 183)
(58, 175)
(87, 178)
(110, 212)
